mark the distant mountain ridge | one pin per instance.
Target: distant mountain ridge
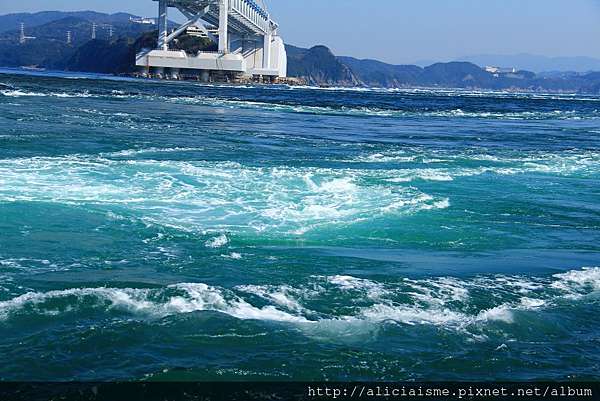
(50, 49)
(536, 63)
(452, 74)
(13, 21)
(462, 74)
(318, 65)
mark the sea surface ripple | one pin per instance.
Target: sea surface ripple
(180, 231)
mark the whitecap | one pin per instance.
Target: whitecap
(372, 289)
(577, 282)
(233, 256)
(201, 297)
(361, 305)
(284, 296)
(217, 242)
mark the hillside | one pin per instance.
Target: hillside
(318, 65)
(50, 49)
(10, 22)
(376, 73)
(465, 75)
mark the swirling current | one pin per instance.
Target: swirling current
(178, 231)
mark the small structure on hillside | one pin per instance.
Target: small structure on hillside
(22, 37)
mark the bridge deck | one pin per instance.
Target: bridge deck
(245, 16)
(246, 36)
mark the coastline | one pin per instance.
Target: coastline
(358, 88)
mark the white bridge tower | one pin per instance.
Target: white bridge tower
(247, 39)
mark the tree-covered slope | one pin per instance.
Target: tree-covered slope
(319, 66)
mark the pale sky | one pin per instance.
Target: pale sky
(403, 31)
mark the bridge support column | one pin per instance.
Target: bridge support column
(223, 22)
(163, 22)
(267, 52)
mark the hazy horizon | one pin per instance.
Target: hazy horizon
(410, 32)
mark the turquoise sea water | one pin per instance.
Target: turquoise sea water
(174, 231)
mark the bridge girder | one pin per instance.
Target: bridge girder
(245, 33)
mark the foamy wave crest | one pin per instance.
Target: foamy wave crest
(450, 166)
(283, 296)
(470, 305)
(578, 282)
(371, 289)
(201, 297)
(180, 298)
(457, 92)
(383, 112)
(149, 151)
(217, 242)
(210, 101)
(22, 93)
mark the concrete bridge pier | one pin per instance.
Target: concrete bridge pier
(174, 73)
(245, 34)
(158, 72)
(205, 76)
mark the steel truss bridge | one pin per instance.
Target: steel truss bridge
(247, 38)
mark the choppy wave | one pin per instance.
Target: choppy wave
(456, 92)
(423, 164)
(219, 197)
(371, 111)
(214, 197)
(217, 242)
(437, 91)
(446, 302)
(149, 151)
(23, 93)
(383, 112)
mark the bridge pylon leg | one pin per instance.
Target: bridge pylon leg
(267, 51)
(223, 26)
(163, 22)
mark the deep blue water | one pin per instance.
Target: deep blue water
(175, 231)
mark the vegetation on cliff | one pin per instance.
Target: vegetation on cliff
(115, 54)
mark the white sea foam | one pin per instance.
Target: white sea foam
(577, 282)
(151, 150)
(195, 297)
(394, 156)
(297, 108)
(502, 313)
(233, 256)
(422, 174)
(446, 302)
(381, 112)
(132, 300)
(451, 166)
(22, 93)
(439, 291)
(372, 289)
(201, 297)
(284, 296)
(212, 197)
(412, 315)
(217, 242)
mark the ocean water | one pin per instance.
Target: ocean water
(178, 231)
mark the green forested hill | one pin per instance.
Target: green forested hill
(318, 65)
